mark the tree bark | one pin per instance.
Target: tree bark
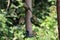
(58, 16)
(28, 7)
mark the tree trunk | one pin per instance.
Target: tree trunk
(58, 16)
(28, 7)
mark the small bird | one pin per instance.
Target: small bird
(21, 21)
(35, 21)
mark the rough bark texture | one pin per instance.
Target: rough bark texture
(58, 16)
(28, 7)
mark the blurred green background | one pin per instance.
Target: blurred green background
(44, 23)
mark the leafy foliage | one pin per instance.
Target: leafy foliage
(44, 20)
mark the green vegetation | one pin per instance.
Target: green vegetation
(44, 23)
